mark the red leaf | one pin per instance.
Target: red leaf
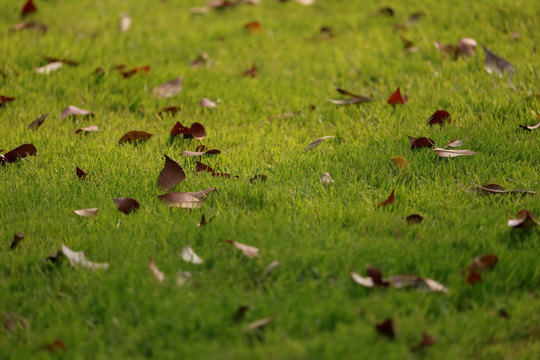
(5, 99)
(195, 131)
(253, 72)
(421, 142)
(126, 205)
(388, 201)
(16, 240)
(28, 8)
(81, 174)
(135, 70)
(439, 117)
(135, 136)
(171, 175)
(386, 328)
(18, 153)
(480, 264)
(474, 278)
(397, 98)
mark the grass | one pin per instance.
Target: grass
(319, 234)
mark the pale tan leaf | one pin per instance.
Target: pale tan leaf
(77, 259)
(452, 153)
(317, 142)
(207, 103)
(87, 212)
(361, 280)
(189, 255)
(455, 143)
(248, 251)
(49, 68)
(155, 271)
(168, 89)
(75, 111)
(326, 179)
(259, 324)
(183, 277)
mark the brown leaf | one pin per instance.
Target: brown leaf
(259, 324)
(81, 174)
(376, 275)
(421, 142)
(31, 25)
(397, 98)
(239, 313)
(388, 201)
(530, 127)
(496, 63)
(205, 168)
(201, 152)
(253, 27)
(168, 89)
(251, 72)
(88, 129)
(400, 162)
(204, 222)
(326, 179)
(201, 59)
(155, 271)
(439, 117)
(18, 153)
(72, 111)
(452, 153)
(50, 59)
(126, 205)
(317, 142)
(38, 122)
(249, 251)
(415, 282)
(170, 110)
(28, 8)
(136, 70)
(355, 99)
(386, 328)
(207, 103)
(5, 99)
(87, 212)
(454, 143)
(498, 189)
(185, 200)
(16, 240)
(465, 47)
(197, 131)
(258, 177)
(55, 346)
(55, 258)
(14, 322)
(480, 264)
(414, 219)
(135, 136)
(524, 220)
(171, 175)
(427, 340)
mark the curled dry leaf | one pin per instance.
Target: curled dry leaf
(455, 143)
(77, 259)
(171, 175)
(17, 239)
(524, 220)
(420, 142)
(496, 63)
(31, 25)
(189, 255)
(201, 59)
(248, 251)
(135, 136)
(28, 8)
(414, 219)
(253, 27)
(400, 162)
(136, 70)
(73, 111)
(251, 72)
(498, 189)
(38, 122)
(168, 89)
(317, 142)
(480, 264)
(87, 212)
(207, 103)
(326, 179)
(388, 201)
(259, 324)
(155, 271)
(183, 277)
(126, 205)
(355, 99)
(88, 129)
(196, 131)
(5, 99)
(387, 328)
(14, 322)
(452, 153)
(397, 98)
(18, 153)
(427, 340)
(185, 200)
(439, 117)
(81, 174)
(49, 68)
(530, 127)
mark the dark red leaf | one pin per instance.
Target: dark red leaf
(171, 175)
(18, 153)
(38, 122)
(386, 328)
(480, 264)
(397, 98)
(414, 219)
(388, 201)
(196, 131)
(135, 136)
(178, 128)
(126, 205)
(170, 110)
(5, 99)
(81, 174)
(253, 72)
(474, 278)
(16, 239)
(135, 70)
(28, 8)
(439, 117)
(421, 142)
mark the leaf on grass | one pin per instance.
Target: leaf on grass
(155, 271)
(17, 239)
(386, 328)
(207, 103)
(496, 63)
(88, 129)
(136, 70)
(239, 313)
(183, 277)
(455, 143)
(258, 177)
(421, 142)
(355, 99)
(524, 220)
(55, 258)
(248, 251)
(31, 25)
(397, 98)
(196, 131)
(427, 340)
(480, 264)
(415, 282)
(201, 59)
(317, 142)
(269, 270)
(38, 122)
(49, 68)
(400, 162)
(18, 153)
(305, 2)
(452, 153)
(5, 99)
(169, 110)
(51, 59)
(28, 8)
(408, 45)
(205, 168)
(77, 259)
(185, 200)
(388, 201)
(498, 189)
(87, 212)
(125, 22)
(135, 136)
(414, 219)
(385, 10)
(530, 127)
(251, 72)
(55, 346)
(361, 280)
(326, 179)
(204, 222)
(259, 324)
(81, 174)
(126, 205)
(171, 175)
(253, 27)
(14, 322)
(189, 255)
(73, 111)
(168, 89)
(200, 151)
(465, 47)
(439, 117)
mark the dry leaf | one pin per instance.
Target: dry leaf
(205, 168)
(31, 25)
(258, 177)
(125, 22)
(204, 222)
(72, 111)
(414, 219)
(38, 122)
(248, 251)
(55, 346)
(388, 201)
(183, 277)
(169, 110)
(415, 282)
(400, 162)
(253, 27)
(386, 328)
(251, 72)
(135, 136)
(385, 10)
(87, 129)
(168, 89)
(397, 98)
(171, 175)
(81, 174)
(455, 143)
(196, 131)
(498, 189)
(14, 322)
(87, 212)
(16, 240)
(18, 153)
(361, 280)
(189, 255)
(185, 200)
(136, 70)
(239, 313)
(480, 264)
(354, 100)
(317, 142)
(28, 8)
(530, 127)
(126, 205)
(5, 99)
(439, 117)
(466, 47)
(427, 340)
(326, 179)
(496, 63)
(200, 151)
(155, 271)
(420, 142)
(408, 45)
(207, 103)
(77, 259)
(452, 153)
(51, 59)
(49, 68)
(201, 59)
(524, 220)
(259, 324)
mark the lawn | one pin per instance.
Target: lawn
(263, 125)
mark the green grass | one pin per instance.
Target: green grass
(318, 234)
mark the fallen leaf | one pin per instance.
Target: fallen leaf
(73, 111)
(205, 168)
(168, 89)
(55, 258)
(530, 127)
(125, 22)
(524, 220)
(18, 153)
(251, 72)
(196, 131)
(259, 324)
(185, 200)
(496, 63)
(439, 117)
(135, 136)
(305, 2)
(87, 212)
(16, 240)
(183, 277)
(49, 68)
(480, 264)
(201, 59)
(400, 162)
(136, 70)
(503, 313)
(447, 49)
(31, 25)
(465, 47)
(355, 99)
(201, 151)
(408, 45)
(55, 346)
(385, 10)
(269, 270)
(239, 313)
(14, 322)
(415, 17)
(51, 59)
(126, 205)
(452, 153)
(415, 282)
(155, 271)
(38, 122)
(455, 143)
(169, 110)
(361, 280)
(28, 8)
(427, 340)
(81, 174)
(77, 259)
(5, 99)
(388, 201)
(421, 142)
(258, 177)
(317, 142)
(204, 222)
(253, 27)
(397, 98)
(207, 103)
(248, 251)
(189, 255)
(88, 129)
(498, 189)
(326, 179)
(171, 175)
(414, 219)
(376, 275)
(386, 328)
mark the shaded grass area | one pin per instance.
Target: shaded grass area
(318, 234)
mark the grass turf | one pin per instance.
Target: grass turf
(318, 234)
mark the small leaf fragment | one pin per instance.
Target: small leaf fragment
(487, 189)
(78, 259)
(253, 27)
(28, 8)
(171, 175)
(30, 25)
(397, 98)
(452, 153)
(201, 59)
(205, 168)
(258, 177)
(5, 99)
(259, 324)
(73, 111)
(248, 251)
(455, 143)
(361, 280)
(17, 239)
(421, 142)
(480, 264)
(207, 103)
(415, 282)
(326, 179)
(38, 122)
(87, 212)
(524, 220)
(439, 117)
(183, 277)
(189, 255)
(427, 340)
(126, 205)
(136, 70)
(414, 219)
(355, 99)
(55, 346)
(135, 136)
(88, 129)
(81, 174)
(125, 22)
(170, 110)
(14, 322)
(386, 328)
(168, 89)
(251, 72)
(317, 142)
(204, 222)
(496, 63)
(388, 201)
(200, 151)
(155, 271)
(240, 313)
